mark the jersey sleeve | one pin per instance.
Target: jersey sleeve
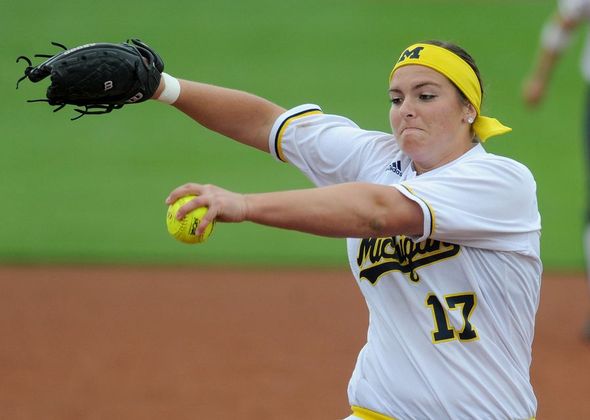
(574, 9)
(328, 149)
(489, 202)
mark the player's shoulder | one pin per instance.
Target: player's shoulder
(491, 161)
(311, 114)
(310, 120)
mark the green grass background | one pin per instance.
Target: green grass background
(92, 191)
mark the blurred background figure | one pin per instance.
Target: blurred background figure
(554, 40)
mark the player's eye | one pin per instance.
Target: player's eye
(427, 96)
(396, 100)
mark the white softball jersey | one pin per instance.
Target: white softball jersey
(579, 10)
(451, 313)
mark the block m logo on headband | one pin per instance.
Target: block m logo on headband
(413, 53)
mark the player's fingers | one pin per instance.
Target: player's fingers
(186, 189)
(198, 201)
(206, 220)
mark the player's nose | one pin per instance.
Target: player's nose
(407, 109)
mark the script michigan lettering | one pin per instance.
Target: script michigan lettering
(413, 53)
(399, 253)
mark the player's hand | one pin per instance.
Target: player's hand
(99, 77)
(223, 205)
(533, 91)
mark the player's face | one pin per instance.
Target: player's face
(428, 117)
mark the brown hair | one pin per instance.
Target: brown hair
(464, 55)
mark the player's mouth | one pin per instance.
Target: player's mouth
(410, 129)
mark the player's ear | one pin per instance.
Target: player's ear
(469, 113)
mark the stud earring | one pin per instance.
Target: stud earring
(470, 120)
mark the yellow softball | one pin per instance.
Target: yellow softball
(185, 229)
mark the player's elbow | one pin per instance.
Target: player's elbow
(394, 214)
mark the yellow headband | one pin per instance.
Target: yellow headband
(461, 74)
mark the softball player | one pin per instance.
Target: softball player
(555, 38)
(443, 237)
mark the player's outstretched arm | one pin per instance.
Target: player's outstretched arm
(555, 37)
(98, 78)
(345, 210)
(239, 115)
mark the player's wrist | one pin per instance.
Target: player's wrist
(169, 89)
(159, 90)
(246, 207)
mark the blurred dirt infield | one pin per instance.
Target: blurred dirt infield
(189, 343)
